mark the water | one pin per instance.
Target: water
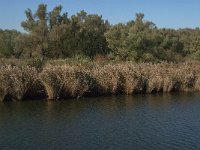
(117, 122)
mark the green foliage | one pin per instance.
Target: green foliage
(141, 40)
(7, 42)
(117, 40)
(55, 35)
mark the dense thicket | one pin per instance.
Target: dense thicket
(141, 40)
(7, 42)
(54, 34)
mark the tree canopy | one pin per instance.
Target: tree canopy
(54, 34)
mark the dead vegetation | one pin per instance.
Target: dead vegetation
(74, 81)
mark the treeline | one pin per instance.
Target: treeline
(55, 35)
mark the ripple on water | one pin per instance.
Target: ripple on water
(159, 121)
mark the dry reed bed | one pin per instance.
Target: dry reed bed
(65, 81)
(74, 81)
(16, 81)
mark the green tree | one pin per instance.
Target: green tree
(117, 40)
(92, 39)
(37, 29)
(7, 42)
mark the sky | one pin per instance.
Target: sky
(164, 13)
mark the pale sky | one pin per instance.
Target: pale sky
(164, 13)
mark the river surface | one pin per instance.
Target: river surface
(154, 122)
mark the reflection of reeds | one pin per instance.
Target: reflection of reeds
(75, 80)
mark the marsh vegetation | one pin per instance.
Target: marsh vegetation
(61, 56)
(62, 80)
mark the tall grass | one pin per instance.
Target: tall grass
(74, 80)
(65, 81)
(16, 81)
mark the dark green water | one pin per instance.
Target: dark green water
(121, 122)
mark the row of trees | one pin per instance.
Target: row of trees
(56, 35)
(141, 40)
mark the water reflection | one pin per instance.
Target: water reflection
(158, 121)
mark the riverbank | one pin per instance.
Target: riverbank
(56, 81)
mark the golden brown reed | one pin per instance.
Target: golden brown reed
(76, 80)
(65, 81)
(16, 81)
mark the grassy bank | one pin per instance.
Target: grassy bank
(64, 79)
